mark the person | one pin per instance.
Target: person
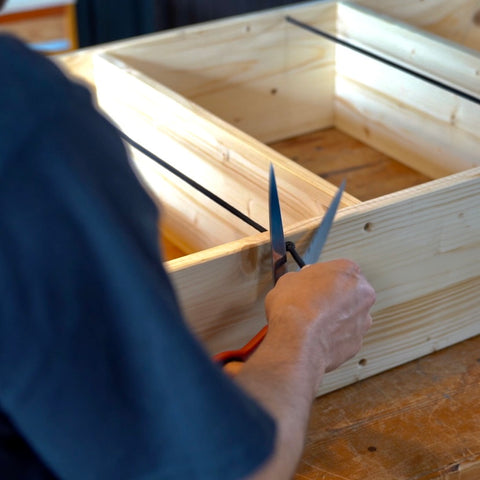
(100, 378)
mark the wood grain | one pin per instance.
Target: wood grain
(423, 126)
(336, 156)
(416, 422)
(418, 49)
(416, 246)
(254, 71)
(456, 21)
(217, 155)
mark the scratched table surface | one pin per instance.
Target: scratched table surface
(420, 421)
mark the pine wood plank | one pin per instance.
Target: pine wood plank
(421, 125)
(417, 48)
(454, 20)
(416, 246)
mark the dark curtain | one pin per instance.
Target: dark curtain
(174, 13)
(101, 21)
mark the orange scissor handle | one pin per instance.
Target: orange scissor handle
(242, 354)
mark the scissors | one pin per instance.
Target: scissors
(279, 249)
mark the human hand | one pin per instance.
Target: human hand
(324, 308)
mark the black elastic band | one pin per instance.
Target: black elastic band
(290, 247)
(193, 183)
(430, 80)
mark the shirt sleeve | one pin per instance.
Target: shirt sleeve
(97, 369)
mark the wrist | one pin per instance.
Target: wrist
(297, 351)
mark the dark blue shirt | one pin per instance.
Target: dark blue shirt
(99, 376)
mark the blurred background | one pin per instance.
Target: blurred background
(55, 26)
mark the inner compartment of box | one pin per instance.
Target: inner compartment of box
(336, 156)
(333, 110)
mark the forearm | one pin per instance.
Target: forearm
(317, 319)
(283, 379)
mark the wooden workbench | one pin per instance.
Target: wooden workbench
(419, 421)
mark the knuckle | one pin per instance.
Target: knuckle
(346, 263)
(367, 324)
(351, 267)
(372, 295)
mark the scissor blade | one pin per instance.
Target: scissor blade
(279, 252)
(315, 248)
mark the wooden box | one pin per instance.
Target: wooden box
(218, 100)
